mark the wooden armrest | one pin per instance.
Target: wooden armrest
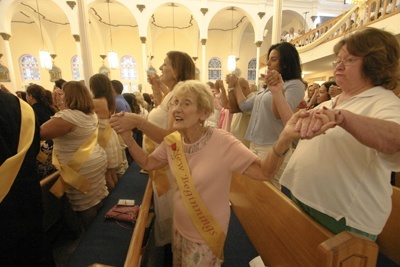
(348, 249)
(135, 246)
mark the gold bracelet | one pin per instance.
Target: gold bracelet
(277, 153)
(133, 141)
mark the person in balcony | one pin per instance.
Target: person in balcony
(290, 36)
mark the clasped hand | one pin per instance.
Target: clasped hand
(308, 124)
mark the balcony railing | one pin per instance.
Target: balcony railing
(358, 17)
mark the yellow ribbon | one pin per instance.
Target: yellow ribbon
(10, 168)
(69, 174)
(105, 137)
(159, 177)
(41, 156)
(205, 223)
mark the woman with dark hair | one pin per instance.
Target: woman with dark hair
(104, 106)
(178, 66)
(266, 123)
(42, 105)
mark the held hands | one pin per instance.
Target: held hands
(311, 123)
(153, 79)
(274, 81)
(125, 122)
(232, 81)
(307, 124)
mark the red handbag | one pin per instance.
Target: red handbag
(123, 213)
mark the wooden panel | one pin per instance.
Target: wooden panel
(135, 247)
(348, 250)
(275, 225)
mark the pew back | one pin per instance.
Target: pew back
(284, 235)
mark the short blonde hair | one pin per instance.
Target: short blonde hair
(204, 97)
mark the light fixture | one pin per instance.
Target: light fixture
(232, 57)
(112, 56)
(44, 56)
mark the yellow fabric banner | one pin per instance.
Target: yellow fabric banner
(10, 168)
(105, 137)
(159, 176)
(69, 174)
(205, 223)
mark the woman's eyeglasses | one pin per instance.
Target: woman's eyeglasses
(346, 62)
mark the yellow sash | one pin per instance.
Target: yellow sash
(105, 137)
(159, 177)
(10, 168)
(205, 223)
(41, 156)
(69, 174)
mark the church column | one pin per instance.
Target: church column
(258, 44)
(79, 55)
(277, 22)
(145, 64)
(204, 65)
(6, 38)
(86, 50)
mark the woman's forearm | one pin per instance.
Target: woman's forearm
(375, 133)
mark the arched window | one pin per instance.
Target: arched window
(214, 69)
(128, 69)
(75, 63)
(251, 70)
(29, 68)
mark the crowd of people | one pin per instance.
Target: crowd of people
(331, 148)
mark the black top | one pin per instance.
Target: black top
(42, 112)
(21, 210)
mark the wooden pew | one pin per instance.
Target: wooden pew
(134, 254)
(284, 235)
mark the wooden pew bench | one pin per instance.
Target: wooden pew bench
(284, 235)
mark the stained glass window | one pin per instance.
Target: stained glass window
(29, 68)
(251, 72)
(128, 68)
(214, 69)
(75, 63)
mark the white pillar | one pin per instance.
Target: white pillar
(204, 76)
(79, 55)
(85, 41)
(258, 44)
(277, 22)
(145, 64)
(10, 64)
